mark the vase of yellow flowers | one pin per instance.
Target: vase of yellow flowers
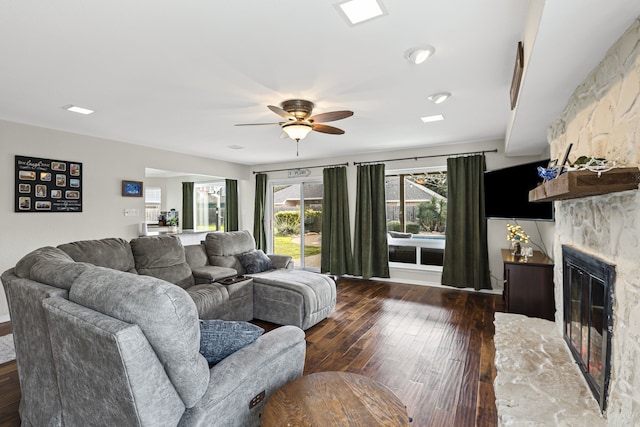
(516, 236)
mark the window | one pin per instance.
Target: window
(210, 205)
(152, 202)
(416, 217)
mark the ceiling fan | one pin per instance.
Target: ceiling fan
(300, 121)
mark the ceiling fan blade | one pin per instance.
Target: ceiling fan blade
(326, 129)
(283, 113)
(331, 116)
(255, 124)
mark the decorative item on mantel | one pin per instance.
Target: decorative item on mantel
(587, 176)
(517, 236)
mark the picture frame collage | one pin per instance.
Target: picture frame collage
(46, 185)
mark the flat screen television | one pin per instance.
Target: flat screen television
(506, 193)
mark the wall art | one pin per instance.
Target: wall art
(46, 185)
(132, 188)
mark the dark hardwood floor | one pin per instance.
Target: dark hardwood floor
(433, 347)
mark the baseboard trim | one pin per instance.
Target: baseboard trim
(5, 318)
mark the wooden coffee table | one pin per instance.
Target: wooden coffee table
(334, 399)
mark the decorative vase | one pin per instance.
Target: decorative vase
(517, 249)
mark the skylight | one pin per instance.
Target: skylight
(358, 11)
(428, 119)
(77, 109)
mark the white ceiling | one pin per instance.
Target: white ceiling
(179, 75)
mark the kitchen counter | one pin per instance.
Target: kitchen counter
(188, 237)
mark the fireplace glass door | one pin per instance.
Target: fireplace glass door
(588, 317)
(585, 328)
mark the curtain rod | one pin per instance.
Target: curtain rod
(306, 167)
(495, 150)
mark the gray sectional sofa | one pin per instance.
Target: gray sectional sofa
(107, 332)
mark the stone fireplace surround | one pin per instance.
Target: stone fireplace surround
(602, 119)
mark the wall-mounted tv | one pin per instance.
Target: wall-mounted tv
(506, 193)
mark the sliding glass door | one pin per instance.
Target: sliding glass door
(296, 222)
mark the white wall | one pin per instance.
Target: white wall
(105, 164)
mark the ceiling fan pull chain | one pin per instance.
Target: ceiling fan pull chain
(297, 146)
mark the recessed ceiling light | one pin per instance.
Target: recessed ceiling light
(77, 109)
(357, 11)
(438, 98)
(418, 55)
(436, 118)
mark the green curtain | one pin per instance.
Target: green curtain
(187, 206)
(466, 257)
(258, 212)
(336, 255)
(231, 216)
(371, 254)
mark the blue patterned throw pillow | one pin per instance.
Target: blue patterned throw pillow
(220, 338)
(255, 261)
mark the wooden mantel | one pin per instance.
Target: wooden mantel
(583, 183)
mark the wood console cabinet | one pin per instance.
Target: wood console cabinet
(528, 286)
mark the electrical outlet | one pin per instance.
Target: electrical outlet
(131, 212)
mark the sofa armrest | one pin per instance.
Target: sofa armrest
(281, 261)
(212, 273)
(273, 360)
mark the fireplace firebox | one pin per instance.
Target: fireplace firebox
(588, 316)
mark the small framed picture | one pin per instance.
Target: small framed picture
(132, 189)
(517, 75)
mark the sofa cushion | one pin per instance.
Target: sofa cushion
(229, 243)
(162, 257)
(255, 261)
(23, 267)
(112, 253)
(165, 313)
(196, 255)
(60, 274)
(220, 338)
(227, 261)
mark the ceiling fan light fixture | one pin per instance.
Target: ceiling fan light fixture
(418, 55)
(438, 98)
(297, 131)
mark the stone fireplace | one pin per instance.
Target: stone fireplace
(588, 317)
(602, 119)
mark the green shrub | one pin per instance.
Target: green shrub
(287, 223)
(394, 226)
(413, 227)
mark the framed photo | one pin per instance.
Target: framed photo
(517, 75)
(132, 189)
(47, 185)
